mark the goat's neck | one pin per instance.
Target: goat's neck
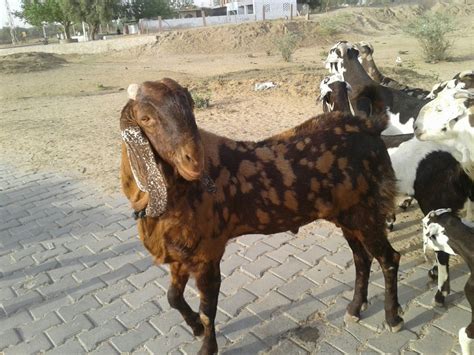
(372, 70)
(356, 76)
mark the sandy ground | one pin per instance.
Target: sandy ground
(61, 112)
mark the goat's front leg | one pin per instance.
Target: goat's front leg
(442, 259)
(362, 261)
(466, 334)
(208, 281)
(179, 279)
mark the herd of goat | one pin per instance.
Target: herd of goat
(193, 190)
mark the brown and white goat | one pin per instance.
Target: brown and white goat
(366, 57)
(333, 166)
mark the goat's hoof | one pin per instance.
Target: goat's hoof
(364, 307)
(349, 318)
(400, 310)
(198, 329)
(208, 349)
(433, 273)
(396, 328)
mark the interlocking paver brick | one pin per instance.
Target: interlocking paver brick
(312, 255)
(144, 312)
(105, 349)
(289, 268)
(281, 254)
(111, 293)
(234, 282)
(249, 344)
(387, 341)
(107, 312)
(79, 254)
(257, 250)
(272, 303)
(296, 288)
(434, 341)
(60, 334)
(173, 339)
(258, 267)
(286, 347)
(140, 279)
(137, 298)
(86, 304)
(302, 310)
(270, 332)
(263, 285)
(233, 304)
(71, 347)
(21, 302)
(30, 330)
(39, 344)
(93, 337)
(8, 338)
(232, 263)
(134, 338)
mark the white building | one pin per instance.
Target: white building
(273, 8)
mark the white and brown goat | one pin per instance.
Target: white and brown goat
(333, 166)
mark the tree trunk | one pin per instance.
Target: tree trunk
(93, 28)
(67, 29)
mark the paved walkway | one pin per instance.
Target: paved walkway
(74, 278)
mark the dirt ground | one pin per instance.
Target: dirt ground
(61, 112)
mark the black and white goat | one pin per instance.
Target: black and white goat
(444, 231)
(366, 58)
(402, 108)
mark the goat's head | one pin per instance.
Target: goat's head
(451, 112)
(434, 236)
(464, 80)
(339, 55)
(365, 51)
(158, 125)
(334, 93)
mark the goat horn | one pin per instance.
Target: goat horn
(132, 91)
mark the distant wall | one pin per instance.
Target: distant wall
(99, 46)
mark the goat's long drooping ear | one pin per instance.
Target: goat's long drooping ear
(146, 171)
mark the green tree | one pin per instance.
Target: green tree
(93, 12)
(37, 12)
(137, 9)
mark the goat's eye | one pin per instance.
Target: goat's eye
(145, 119)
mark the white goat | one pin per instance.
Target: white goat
(449, 119)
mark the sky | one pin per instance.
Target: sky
(14, 6)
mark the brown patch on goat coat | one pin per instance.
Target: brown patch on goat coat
(290, 200)
(324, 163)
(263, 217)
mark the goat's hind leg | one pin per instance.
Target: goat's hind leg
(442, 260)
(376, 243)
(362, 261)
(179, 279)
(466, 335)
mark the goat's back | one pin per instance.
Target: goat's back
(442, 183)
